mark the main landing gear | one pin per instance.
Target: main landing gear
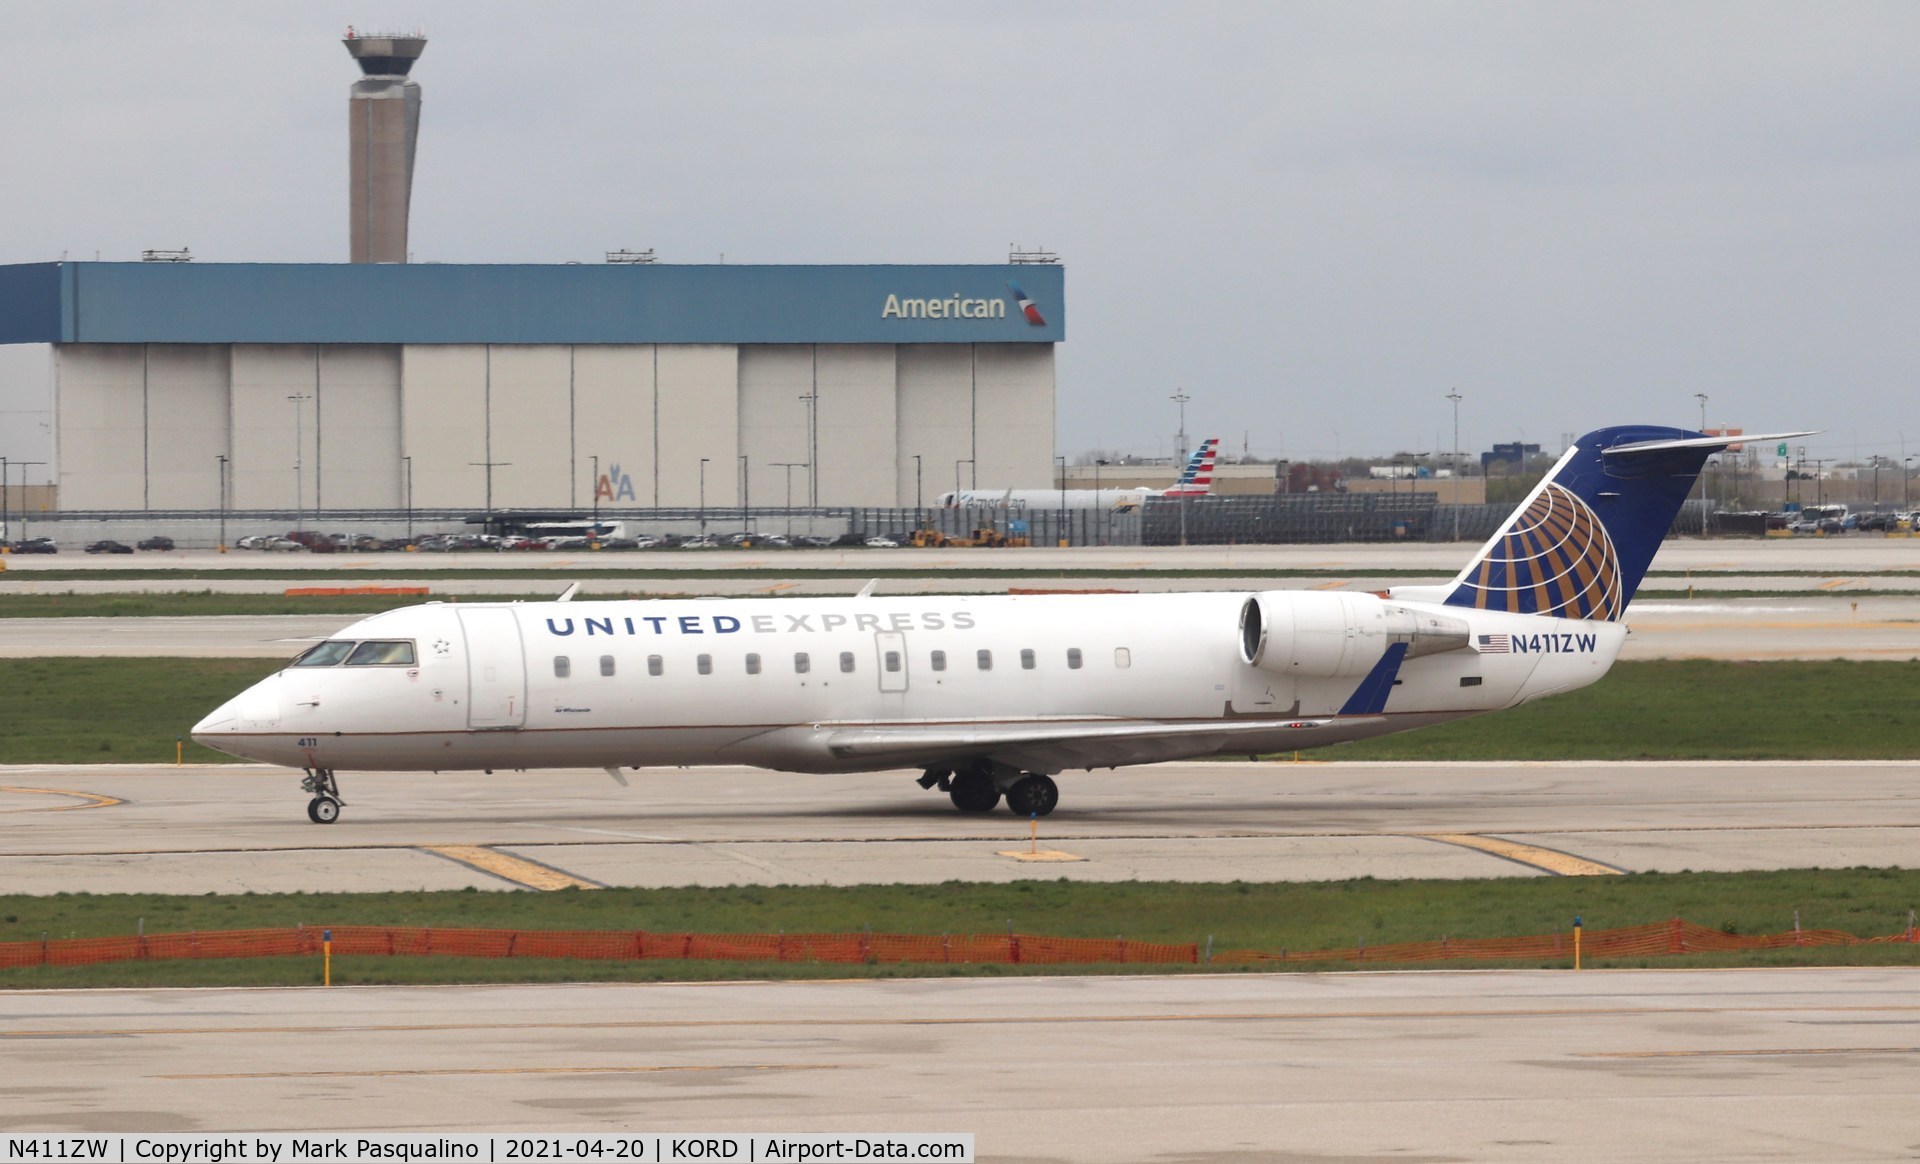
(978, 787)
(324, 808)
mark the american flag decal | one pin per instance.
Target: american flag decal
(1496, 644)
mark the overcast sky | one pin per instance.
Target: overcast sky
(1316, 219)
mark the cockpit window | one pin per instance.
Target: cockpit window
(382, 653)
(324, 654)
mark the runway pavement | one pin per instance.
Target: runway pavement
(1803, 1064)
(232, 829)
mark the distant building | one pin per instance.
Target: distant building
(1511, 458)
(370, 386)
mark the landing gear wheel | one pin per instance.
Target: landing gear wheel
(1033, 795)
(973, 792)
(324, 808)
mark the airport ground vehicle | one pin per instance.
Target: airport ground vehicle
(36, 546)
(108, 546)
(157, 542)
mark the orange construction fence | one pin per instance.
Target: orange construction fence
(1656, 938)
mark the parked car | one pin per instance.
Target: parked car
(881, 542)
(36, 546)
(108, 546)
(157, 542)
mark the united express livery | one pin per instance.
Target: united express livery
(987, 698)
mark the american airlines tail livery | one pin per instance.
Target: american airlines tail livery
(1196, 480)
(988, 697)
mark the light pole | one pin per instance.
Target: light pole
(1180, 397)
(221, 462)
(703, 493)
(24, 466)
(1102, 506)
(1454, 395)
(1060, 535)
(408, 462)
(917, 495)
(1702, 398)
(789, 466)
(596, 487)
(746, 508)
(1906, 475)
(4, 498)
(299, 449)
(811, 400)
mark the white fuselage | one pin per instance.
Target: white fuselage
(848, 684)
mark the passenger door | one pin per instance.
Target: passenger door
(496, 668)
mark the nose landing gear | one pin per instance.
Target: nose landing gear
(324, 808)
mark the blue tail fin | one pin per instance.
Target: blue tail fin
(1579, 545)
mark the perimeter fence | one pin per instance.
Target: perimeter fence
(1653, 939)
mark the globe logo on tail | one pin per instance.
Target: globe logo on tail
(1555, 558)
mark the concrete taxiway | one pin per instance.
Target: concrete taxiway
(239, 828)
(1227, 1069)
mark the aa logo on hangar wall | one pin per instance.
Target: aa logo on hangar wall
(1554, 558)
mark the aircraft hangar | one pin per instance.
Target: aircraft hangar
(337, 387)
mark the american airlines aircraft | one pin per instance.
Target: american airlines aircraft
(1196, 480)
(989, 697)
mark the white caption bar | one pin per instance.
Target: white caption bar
(498, 1148)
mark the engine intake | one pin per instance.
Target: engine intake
(1298, 632)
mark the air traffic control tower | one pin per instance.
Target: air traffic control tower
(383, 124)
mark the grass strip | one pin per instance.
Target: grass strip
(1690, 709)
(1237, 915)
(129, 710)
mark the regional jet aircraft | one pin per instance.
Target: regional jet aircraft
(988, 698)
(1196, 480)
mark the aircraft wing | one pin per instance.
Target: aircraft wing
(1057, 746)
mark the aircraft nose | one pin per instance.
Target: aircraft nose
(221, 721)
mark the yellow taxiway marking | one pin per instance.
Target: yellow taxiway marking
(1038, 855)
(1837, 583)
(1334, 585)
(518, 870)
(92, 799)
(381, 1073)
(1551, 860)
(778, 587)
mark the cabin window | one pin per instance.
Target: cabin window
(984, 659)
(753, 664)
(893, 660)
(381, 654)
(324, 654)
(1073, 658)
(562, 666)
(1122, 658)
(846, 661)
(703, 664)
(1026, 659)
(801, 664)
(606, 665)
(654, 665)
(938, 660)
